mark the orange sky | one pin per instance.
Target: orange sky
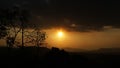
(88, 40)
(82, 40)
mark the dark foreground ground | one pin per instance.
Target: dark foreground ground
(44, 57)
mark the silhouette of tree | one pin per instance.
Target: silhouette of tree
(14, 19)
(36, 37)
(3, 31)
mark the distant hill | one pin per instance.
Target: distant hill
(74, 50)
(107, 50)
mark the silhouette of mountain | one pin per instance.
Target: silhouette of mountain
(54, 57)
(107, 50)
(75, 50)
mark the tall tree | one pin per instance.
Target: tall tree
(15, 19)
(36, 37)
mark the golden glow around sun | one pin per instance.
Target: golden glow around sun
(60, 34)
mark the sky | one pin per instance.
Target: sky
(86, 24)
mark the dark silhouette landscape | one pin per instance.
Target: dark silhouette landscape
(54, 57)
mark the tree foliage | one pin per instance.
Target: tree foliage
(14, 22)
(35, 37)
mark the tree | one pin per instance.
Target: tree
(15, 20)
(35, 36)
(3, 31)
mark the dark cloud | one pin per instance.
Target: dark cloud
(86, 14)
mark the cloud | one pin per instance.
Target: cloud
(74, 15)
(47, 22)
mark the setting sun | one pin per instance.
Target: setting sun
(60, 34)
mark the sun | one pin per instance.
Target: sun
(60, 34)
